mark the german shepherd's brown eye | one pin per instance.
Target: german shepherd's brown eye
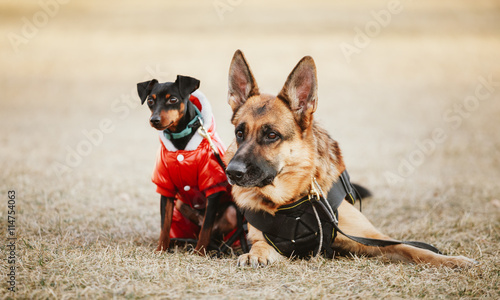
(272, 136)
(239, 134)
(172, 100)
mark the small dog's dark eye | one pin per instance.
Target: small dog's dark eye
(150, 101)
(172, 100)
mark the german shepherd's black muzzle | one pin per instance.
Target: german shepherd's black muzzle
(246, 172)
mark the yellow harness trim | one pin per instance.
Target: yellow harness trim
(271, 242)
(298, 203)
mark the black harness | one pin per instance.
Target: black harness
(309, 225)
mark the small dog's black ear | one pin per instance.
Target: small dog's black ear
(187, 85)
(145, 88)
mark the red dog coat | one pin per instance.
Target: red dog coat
(192, 174)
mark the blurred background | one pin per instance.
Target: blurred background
(409, 89)
(397, 82)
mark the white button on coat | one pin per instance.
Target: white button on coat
(187, 188)
(180, 157)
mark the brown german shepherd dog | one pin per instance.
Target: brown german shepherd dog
(278, 149)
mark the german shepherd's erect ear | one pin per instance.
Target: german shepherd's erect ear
(300, 91)
(242, 84)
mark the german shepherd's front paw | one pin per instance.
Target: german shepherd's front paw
(252, 260)
(261, 254)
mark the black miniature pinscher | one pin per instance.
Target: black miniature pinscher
(170, 106)
(173, 113)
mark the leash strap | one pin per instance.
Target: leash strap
(384, 243)
(373, 242)
(204, 133)
(344, 189)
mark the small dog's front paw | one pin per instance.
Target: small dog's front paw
(163, 242)
(252, 260)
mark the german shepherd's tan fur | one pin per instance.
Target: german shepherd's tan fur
(279, 148)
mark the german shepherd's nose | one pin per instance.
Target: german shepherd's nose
(235, 171)
(250, 173)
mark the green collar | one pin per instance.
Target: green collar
(193, 124)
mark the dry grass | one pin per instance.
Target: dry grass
(90, 233)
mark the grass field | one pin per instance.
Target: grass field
(410, 90)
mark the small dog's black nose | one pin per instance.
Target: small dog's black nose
(235, 170)
(155, 120)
